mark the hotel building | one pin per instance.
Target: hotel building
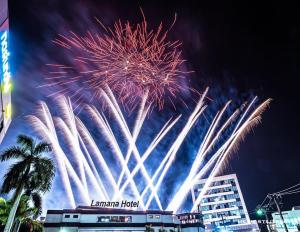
(92, 219)
(5, 75)
(223, 205)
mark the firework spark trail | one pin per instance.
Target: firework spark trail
(93, 167)
(106, 130)
(167, 161)
(76, 134)
(98, 186)
(220, 161)
(253, 120)
(131, 59)
(48, 131)
(44, 130)
(190, 180)
(136, 130)
(123, 125)
(67, 115)
(206, 144)
(90, 141)
(68, 126)
(165, 129)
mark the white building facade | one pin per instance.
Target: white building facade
(291, 219)
(223, 206)
(5, 74)
(92, 219)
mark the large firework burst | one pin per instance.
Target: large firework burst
(131, 59)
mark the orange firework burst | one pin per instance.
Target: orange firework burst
(131, 60)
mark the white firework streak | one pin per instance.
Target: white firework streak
(84, 150)
(137, 128)
(166, 128)
(67, 114)
(221, 153)
(170, 156)
(240, 131)
(47, 130)
(123, 125)
(90, 141)
(68, 126)
(181, 193)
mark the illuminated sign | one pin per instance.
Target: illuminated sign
(5, 63)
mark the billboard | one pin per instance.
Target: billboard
(5, 79)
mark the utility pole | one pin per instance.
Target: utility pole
(274, 197)
(267, 217)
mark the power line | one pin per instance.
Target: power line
(273, 198)
(288, 188)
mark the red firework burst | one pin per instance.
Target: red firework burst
(131, 60)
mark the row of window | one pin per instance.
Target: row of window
(73, 216)
(114, 219)
(224, 215)
(151, 216)
(223, 190)
(218, 183)
(235, 195)
(230, 222)
(222, 206)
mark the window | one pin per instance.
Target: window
(67, 216)
(114, 219)
(103, 219)
(157, 216)
(75, 216)
(151, 216)
(127, 219)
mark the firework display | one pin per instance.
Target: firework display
(90, 161)
(131, 59)
(132, 68)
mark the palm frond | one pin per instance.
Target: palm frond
(13, 177)
(26, 141)
(14, 152)
(37, 202)
(41, 148)
(43, 174)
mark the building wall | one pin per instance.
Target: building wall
(67, 221)
(223, 204)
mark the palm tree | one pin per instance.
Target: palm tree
(31, 173)
(30, 207)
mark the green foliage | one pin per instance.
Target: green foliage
(31, 226)
(32, 170)
(149, 228)
(31, 174)
(30, 207)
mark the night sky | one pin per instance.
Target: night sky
(237, 48)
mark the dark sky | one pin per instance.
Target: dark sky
(250, 47)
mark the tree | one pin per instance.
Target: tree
(31, 173)
(149, 228)
(30, 207)
(31, 225)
